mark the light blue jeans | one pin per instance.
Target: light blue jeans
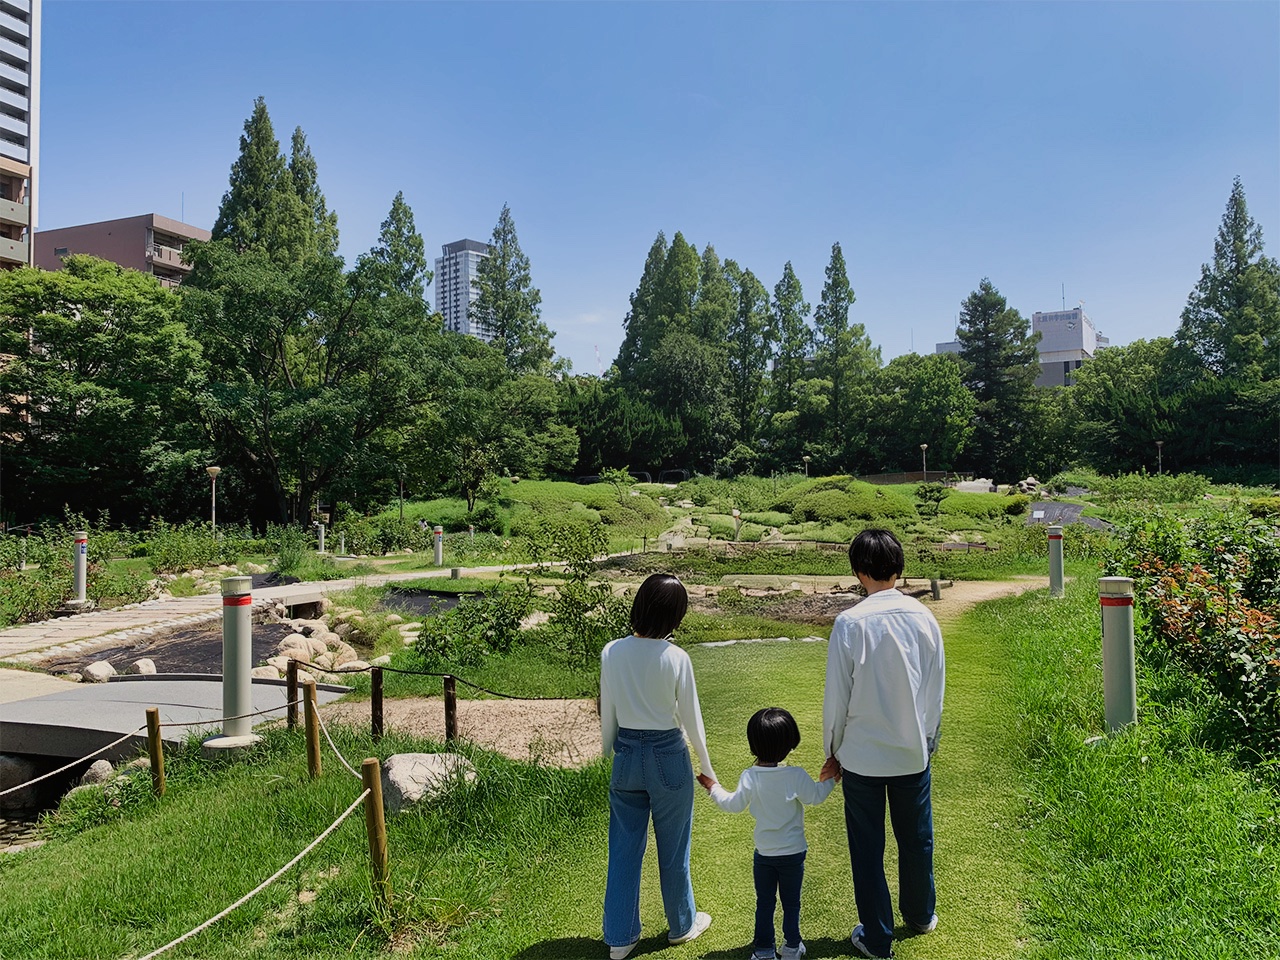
(651, 772)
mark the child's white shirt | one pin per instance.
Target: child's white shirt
(775, 796)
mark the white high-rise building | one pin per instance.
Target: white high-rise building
(19, 128)
(1067, 339)
(455, 277)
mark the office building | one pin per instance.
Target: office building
(455, 277)
(19, 128)
(1067, 339)
(150, 243)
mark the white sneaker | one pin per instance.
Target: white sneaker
(926, 927)
(764, 955)
(621, 953)
(700, 923)
(794, 953)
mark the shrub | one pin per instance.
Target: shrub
(1016, 505)
(986, 506)
(1162, 488)
(476, 628)
(1265, 507)
(788, 498)
(768, 518)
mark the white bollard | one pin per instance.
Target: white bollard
(342, 544)
(1119, 676)
(237, 655)
(1055, 562)
(737, 522)
(437, 534)
(81, 558)
(472, 531)
(22, 554)
(320, 537)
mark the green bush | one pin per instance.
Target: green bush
(1162, 488)
(1083, 477)
(768, 518)
(1265, 507)
(1016, 505)
(987, 506)
(789, 497)
(825, 506)
(476, 628)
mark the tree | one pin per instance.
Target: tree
(917, 399)
(1123, 401)
(96, 392)
(641, 326)
(261, 208)
(1000, 366)
(322, 237)
(1231, 323)
(508, 304)
(401, 253)
(794, 338)
(844, 354)
(750, 347)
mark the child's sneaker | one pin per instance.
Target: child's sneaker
(794, 953)
(700, 923)
(621, 953)
(764, 955)
(855, 938)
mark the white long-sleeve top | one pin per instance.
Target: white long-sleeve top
(882, 709)
(647, 684)
(776, 797)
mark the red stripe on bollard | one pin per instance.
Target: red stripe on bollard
(1116, 601)
(242, 601)
(1053, 537)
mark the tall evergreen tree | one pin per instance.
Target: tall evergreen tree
(1231, 323)
(844, 354)
(508, 302)
(1000, 365)
(323, 234)
(794, 337)
(641, 326)
(401, 252)
(750, 340)
(261, 209)
(714, 305)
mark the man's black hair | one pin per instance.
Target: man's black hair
(772, 734)
(659, 606)
(878, 554)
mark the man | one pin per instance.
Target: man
(882, 712)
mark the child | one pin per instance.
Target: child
(647, 695)
(774, 794)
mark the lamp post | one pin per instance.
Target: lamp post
(924, 461)
(213, 497)
(1160, 456)
(805, 458)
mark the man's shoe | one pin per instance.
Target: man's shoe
(794, 953)
(855, 938)
(700, 923)
(764, 955)
(926, 927)
(621, 953)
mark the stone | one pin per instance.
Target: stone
(144, 667)
(280, 663)
(325, 604)
(352, 666)
(344, 630)
(304, 676)
(99, 672)
(381, 661)
(394, 618)
(343, 653)
(195, 574)
(100, 771)
(411, 778)
(323, 660)
(14, 771)
(264, 673)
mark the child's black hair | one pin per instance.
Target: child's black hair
(659, 606)
(878, 554)
(772, 734)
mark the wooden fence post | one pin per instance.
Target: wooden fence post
(375, 825)
(313, 730)
(375, 700)
(291, 691)
(156, 749)
(450, 709)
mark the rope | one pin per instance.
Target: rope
(196, 723)
(265, 883)
(51, 773)
(334, 747)
(423, 673)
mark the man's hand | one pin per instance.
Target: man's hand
(831, 769)
(706, 781)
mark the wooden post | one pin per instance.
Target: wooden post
(375, 676)
(375, 825)
(450, 709)
(156, 749)
(291, 691)
(313, 730)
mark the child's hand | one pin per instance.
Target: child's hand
(706, 781)
(830, 769)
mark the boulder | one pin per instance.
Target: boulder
(323, 660)
(144, 667)
(343, 629)
(304, 676)
(343, 653)
(13, 771)
(100, 771)
(394, 618)
(410, 778)
(351, 666)
(279, 662)
(264, 673)
(381, 661)
(99, 672)
(293, 642)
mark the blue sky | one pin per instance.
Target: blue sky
(1039, 144)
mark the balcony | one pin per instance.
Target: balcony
(13, 251)
(18, 213)
(166, 256)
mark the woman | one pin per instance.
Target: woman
(647, 694)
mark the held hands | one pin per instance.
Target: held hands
(706, 781)
(830, 769)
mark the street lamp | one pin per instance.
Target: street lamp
(805, 458)
(924, 461)
(213, 496)
(1159, 456)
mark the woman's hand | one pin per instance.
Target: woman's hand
(830, 769)
(706, 781)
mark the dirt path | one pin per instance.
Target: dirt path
(567, 732)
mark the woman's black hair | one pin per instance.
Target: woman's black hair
(878, 554)
(659, 606)
(772, 734)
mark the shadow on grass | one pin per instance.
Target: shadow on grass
(593, 948)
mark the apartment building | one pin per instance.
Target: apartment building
(150, 243)
(1067, 339)
(19, 128)
(455, 276)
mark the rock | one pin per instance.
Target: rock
(264, 673)
(327, 637)
(294, 645)
(310, 627)
(280, 663)
(394, 618)
(351, 666)
(316, 648)
(144, 667)
(410, 778)
(325, 604)
(381, 661)
(100, 771)
(343, 653)
(13, 771)
(344, 630)
(323, 660)
(304, 676)
(98, 672)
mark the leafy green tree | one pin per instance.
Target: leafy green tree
(322, 237)
(750, 348)
(617, 427)
(1231, 323)
(261, 208)
(794, 337)
(642, 324)
(1123, 401)
(508, 304)
(401, 252)
(1000, 366)
(844, 355)
(713, 305)
(917, 399)
(96, 393)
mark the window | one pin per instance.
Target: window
(60, 251)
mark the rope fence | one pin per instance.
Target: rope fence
(422, 673)
(62, 769)
(334, 747)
